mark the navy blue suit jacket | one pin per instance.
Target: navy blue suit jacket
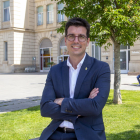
(89, 126)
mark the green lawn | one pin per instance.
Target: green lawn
(135, 83)
(22, 125)
(122, 122)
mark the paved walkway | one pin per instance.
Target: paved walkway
(20, 91)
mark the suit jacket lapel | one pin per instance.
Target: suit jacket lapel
(65, 80)
(82, 74)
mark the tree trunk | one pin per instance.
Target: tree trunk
(117, 78)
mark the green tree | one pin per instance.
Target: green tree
(118, 20)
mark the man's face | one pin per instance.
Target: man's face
(76, 47)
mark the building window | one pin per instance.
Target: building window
(122, 47)
(63, 47)
(45, 58)
(5, 51)
(6, 7)
(96, 50)
(40, 15)
(60, 17)
(63, 51)
(124, 58)
(50, 16)
(45, 54)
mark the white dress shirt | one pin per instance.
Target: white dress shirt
(73, 74)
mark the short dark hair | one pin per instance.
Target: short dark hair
(76, 21)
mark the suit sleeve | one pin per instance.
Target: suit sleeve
(48, 107)
(87, 106)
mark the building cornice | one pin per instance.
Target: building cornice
(27, 30)
(45, 30)
(16, 29)
(44, 0)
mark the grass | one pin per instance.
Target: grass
(135, 83)
(122, 122)
(23, 124)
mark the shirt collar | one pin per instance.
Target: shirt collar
(80, 63)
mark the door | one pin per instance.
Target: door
(123, 61)
(45, 59)
(124, 58)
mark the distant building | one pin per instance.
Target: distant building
(28, 36)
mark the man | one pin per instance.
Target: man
(76, 90)
(138, 78)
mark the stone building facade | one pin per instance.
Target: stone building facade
(28, 37)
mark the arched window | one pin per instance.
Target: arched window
(63, 51)
(45, 54)
(63, 48)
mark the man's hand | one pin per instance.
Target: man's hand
(58, 101)
(94, 93)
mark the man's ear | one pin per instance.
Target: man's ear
(88, 40)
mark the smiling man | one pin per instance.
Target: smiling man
(76, 90)
(76, 41)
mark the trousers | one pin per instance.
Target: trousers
(57, 135)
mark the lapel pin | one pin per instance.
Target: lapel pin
(86, 68)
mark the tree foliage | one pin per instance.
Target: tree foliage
(118, 20)
(115, 19)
